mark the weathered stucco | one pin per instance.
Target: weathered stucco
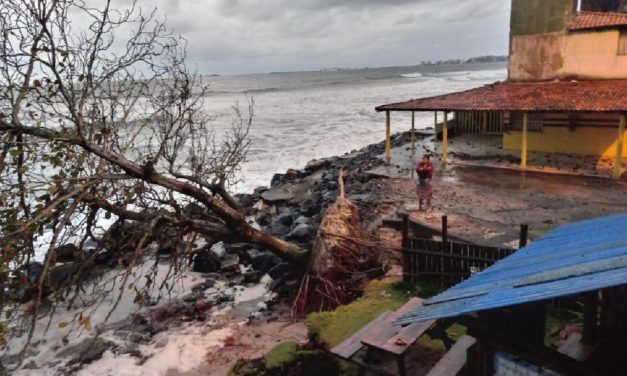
(595, 141)
(539, 16)
(536, 57)
(583, 55)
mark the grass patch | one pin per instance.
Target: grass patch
(282, 354)
(331, 328)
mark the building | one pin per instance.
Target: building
(566, 90)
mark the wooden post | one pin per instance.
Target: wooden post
(444, 229)
(590, 317)
(485, 123)
(388, 141)
(524, 233)
(445, 138)
(413, 132)
(435, 129)
(619, 148)
(523, 148)
(405, 243)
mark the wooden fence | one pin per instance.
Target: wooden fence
(445, 262)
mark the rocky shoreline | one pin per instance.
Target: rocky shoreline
(291, 208)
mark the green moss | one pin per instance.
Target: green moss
(331, 328)
(282, 354)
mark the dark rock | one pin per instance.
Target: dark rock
(139, 319)
(230, 264)
(252, 277)
(25, 294)
(310, 208)
(192, 298)
(285, 219)
(259, 190)
(95, 351)
(317, 164)
(280, 270)
(206, 262)
(276, 285)
(277, 229)
(200, 287)
(263, 218)
(277, 195)
(31, 271)
(194, 210)
(68, 253)
(245, 200)
(237, 248)
(265, 261)
(250, 255)
(302, 233)
(103, 257)
(61, 274)
(303, 220)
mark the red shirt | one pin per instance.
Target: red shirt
(425, 170)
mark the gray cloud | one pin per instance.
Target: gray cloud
(240, 36)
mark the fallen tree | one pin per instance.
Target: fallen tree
(96, 127)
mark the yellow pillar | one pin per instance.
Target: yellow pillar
(413, 135)
(388, 141)
(445, 138)
(435, 128)
(619, 148)
(523, 148)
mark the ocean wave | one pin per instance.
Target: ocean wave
(494, 74)
(412, 75)
(263, 90)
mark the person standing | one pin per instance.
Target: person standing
(424, 172)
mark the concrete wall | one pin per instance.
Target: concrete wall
(539, 16)
(595, 141)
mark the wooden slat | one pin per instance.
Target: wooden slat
(453, 361)
(379, 335)
(352, 344)
(408, 335)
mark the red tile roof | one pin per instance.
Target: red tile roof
(571, 96)
(598, 20)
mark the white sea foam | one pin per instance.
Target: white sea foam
(311, 116)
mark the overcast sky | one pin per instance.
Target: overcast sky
(253, 36)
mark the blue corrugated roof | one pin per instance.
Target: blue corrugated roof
(574, 258)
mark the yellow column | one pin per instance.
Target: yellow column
(435, 128)
(388, 141)
(619, 148)
(523, 148)
(413, 135)
(445, 138)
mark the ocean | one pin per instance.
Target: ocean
(302, 116)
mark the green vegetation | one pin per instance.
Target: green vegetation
(556, 319)
(282, 354)
(331, 328)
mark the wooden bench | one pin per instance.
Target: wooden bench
(382, 335)
(453, 361)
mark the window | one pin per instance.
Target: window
(604, 5)
(622, 43)
(534, 122)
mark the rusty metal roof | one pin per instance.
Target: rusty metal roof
(574, 258)
(598, 20)
(569, 96)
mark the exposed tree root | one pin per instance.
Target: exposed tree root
(343, 259)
